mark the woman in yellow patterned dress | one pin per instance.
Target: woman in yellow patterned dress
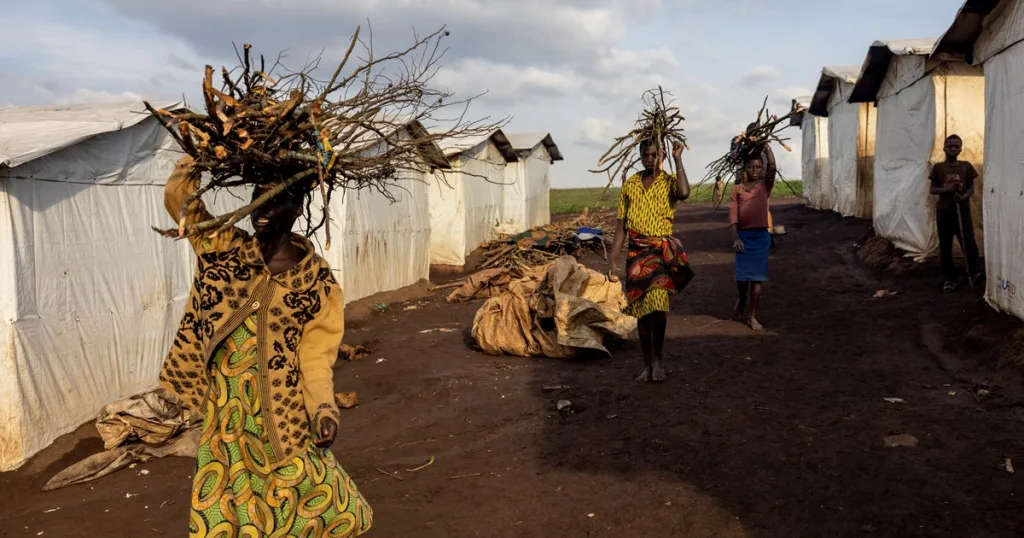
(253, 356)
(656, 265)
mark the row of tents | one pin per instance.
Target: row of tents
(871, 133)
(90, 295)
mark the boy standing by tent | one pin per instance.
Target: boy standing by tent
(656, 266)
(953, 182)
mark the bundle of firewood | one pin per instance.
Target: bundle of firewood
(512, 256)
(586, 219)
(544, 244)
(659, 123)
(288, 130)
(751, 142)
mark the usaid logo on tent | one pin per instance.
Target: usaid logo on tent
(1007, 287)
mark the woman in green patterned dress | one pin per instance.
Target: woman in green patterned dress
(253, 357)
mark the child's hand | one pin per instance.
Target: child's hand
(328, 431)
(737, 245)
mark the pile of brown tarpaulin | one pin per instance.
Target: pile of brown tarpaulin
(135, 430)
(492, 282)
(567, 311)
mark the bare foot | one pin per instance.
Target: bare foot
(755, 325)
(645, 376)
(737, 310)
(658, 373)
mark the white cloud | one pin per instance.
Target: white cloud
(504, 31)
(597, 132)
(575, 68)
(617, 61)
(84, 96)
(760, 74)
(504, 84)
(98, 63)
(785, 96)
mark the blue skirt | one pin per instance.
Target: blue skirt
(752, 263)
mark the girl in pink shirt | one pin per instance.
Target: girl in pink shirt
(748, 218)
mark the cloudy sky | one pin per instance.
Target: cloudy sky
(574, 68)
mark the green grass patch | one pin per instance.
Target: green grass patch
(567, 201)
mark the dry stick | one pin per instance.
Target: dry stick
(186, 137)
(344, 60)
(406, 445)
(228, 220)
(672, 162)
(327, 212)
(424, 466)
(193, 198)
(246, 73)
(963, 246)
(396, 477)
(228, 83)
(710, 324)
(465, 476)
(369, 65)
(497, 257)
(166, 125)
(211, 105)
(786, 183)
(287, 111)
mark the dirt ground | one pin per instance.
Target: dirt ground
(779, 434)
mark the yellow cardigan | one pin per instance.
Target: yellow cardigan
(300, 325)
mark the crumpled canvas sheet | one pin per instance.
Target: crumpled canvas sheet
(492, 282)
(156, 418)
(583, 306)
(104, 463)
(153, 418)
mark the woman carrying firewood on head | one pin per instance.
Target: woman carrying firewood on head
(253, 356)
(749, 221)
(656, 265)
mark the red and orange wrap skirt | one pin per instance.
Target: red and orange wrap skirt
(656, 268)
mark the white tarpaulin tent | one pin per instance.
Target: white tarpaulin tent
(920, 101)
(813, 151)
(991, 34)
(380, 244)
(90, 296)
(466, 203)
(528, 194)
(851, 141)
